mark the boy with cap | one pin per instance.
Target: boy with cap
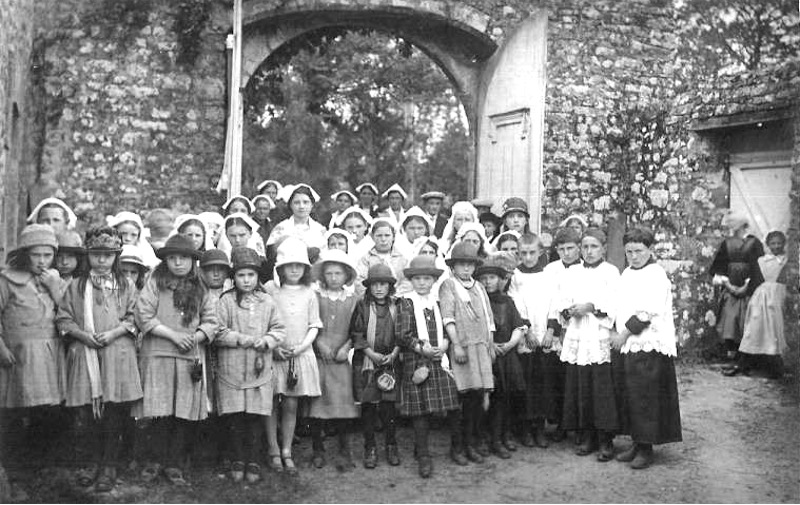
(215, 270)
(432, 203)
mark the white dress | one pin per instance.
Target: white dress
(763, 327)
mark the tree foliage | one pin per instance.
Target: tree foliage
(337, 108)
(730, 36)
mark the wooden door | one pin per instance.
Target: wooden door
(760, 185)
(511, 118)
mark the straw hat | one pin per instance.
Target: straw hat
(70, 241)
(463, 252)
(292, 250)
(422, 265)
(379, 273)
(334, 256)
(432, 194)
(131, 254)
(178, 244)
(244, 257)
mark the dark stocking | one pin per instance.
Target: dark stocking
(389, 416)
(421, 429)
(369, 412)
(115, 416)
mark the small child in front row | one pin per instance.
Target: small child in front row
(646, 338)
(296, 372)
(509, 379)
(102, 370)
(376, 351)
(177, 318)
(426, 388)
(468, 320)
(587, 306)
(336, 404)
(250, 328)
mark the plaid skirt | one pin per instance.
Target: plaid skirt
(437, 394)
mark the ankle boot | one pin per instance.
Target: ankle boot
(644, 457)
(606, 447)
(588, 443)
(628, 454)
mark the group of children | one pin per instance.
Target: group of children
(482, 333)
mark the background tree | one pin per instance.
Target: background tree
(336, 108)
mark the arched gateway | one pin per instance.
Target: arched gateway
(502, 88)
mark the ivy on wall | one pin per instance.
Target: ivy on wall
(190, 20)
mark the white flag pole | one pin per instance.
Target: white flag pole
(231, 177)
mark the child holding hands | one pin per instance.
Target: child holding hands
(587, 308)
(177, 318)
(103, 380)
(426, 388)
(376, 350)
(468, 320)
(250, 328)
(646, 339)
(510, 328)
(296, 372)
(336, 403)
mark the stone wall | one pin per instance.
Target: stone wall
(16, 113)
(128, 126)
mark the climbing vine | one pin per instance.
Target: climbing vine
(190, 20)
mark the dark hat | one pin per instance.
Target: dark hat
(463, 251)
(422, 265)
(490, 216)
(494, 264)
(214, 257)
(515, 204)
(70, 241)
(379, 273)
(178, 244)
(244, 257)
(103, 239)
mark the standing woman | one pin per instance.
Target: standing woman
(96, 317)
(301, 200)
(31, 354)
(177, 318)
(735, 268)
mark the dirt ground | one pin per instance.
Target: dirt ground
(741, 444)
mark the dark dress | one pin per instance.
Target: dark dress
(365, 389)
(438, 393)
(738, 260)
(507, 369)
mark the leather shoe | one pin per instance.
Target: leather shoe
(539, 439)
(425, 466)
(527, 439)
(628, 454)
(392, 455)
(500, 451)
(457, 457)
(370, 457)
(473, 455)
(643, 459)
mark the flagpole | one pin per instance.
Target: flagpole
(231, 177)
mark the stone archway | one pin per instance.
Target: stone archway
(451, 34)
(501, 88)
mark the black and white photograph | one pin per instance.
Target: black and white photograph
(399, 251)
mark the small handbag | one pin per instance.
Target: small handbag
(196, 371)
(385, 381)
(291, 376)
(420, 375)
